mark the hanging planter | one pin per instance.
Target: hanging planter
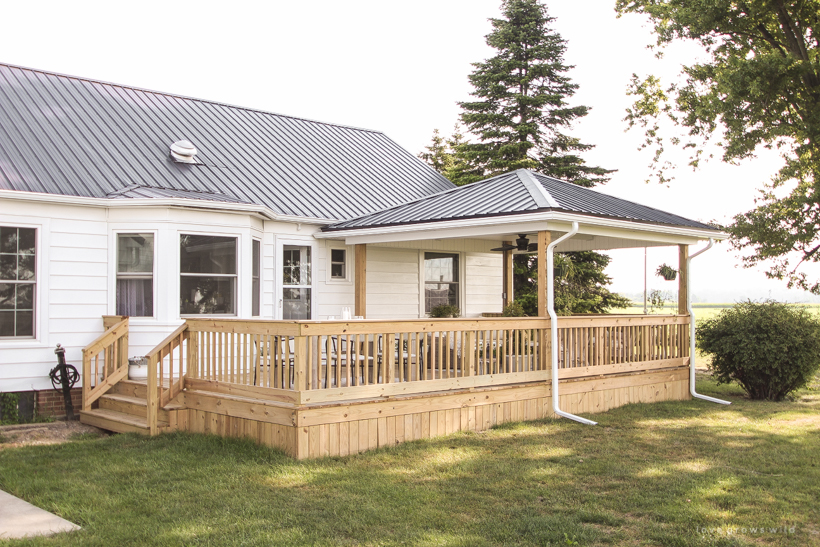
(667, 272)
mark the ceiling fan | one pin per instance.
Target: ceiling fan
(521, 244)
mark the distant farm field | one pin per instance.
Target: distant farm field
(704, 310)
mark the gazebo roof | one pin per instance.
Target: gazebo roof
(519, 192)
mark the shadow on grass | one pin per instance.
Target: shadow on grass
(648, 474)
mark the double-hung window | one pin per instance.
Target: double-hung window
(135, 275)
(17, 281)
(207, 282)
(441, 285)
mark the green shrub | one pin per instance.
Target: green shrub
(445, 310)
(513, 309)
(8, 409)
(769, 348)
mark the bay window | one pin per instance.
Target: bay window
(207, 275)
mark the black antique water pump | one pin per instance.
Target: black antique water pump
(64, 376)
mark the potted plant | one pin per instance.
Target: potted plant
(445, 310)
(667, 272)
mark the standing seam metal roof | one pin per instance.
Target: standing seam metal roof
(78, 137)
(514, 193)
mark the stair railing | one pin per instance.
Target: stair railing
(167, 361)
(99, 377)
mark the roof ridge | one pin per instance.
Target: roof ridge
(542, 197)
(621, 199)
(187, 98)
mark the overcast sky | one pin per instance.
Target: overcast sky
(398, 67)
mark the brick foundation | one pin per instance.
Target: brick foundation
(50, 402)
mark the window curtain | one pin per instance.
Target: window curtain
(135, 297)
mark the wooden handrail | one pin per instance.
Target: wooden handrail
(157, 394)
(113, 344)
(343, 360)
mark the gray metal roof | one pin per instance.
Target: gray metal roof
(78, 137)
(518, 192)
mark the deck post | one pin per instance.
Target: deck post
(469, 354)
(360, 276)
(544, 238)
(300, 362)
(683, 276)
(509, 288)
(151, 415)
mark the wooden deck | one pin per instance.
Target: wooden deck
(335, 388)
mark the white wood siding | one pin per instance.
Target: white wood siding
(484, 283)
(76, 277)
(392, 283)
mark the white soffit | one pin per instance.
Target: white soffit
(608, 233)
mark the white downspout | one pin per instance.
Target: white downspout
(692, 328)
(554, 326)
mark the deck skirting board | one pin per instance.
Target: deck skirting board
(344, 429)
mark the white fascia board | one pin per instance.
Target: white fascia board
(182, 203)
(525, 223)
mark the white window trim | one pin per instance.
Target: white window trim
(112, 286)
(237, 277)
(349, 254)
(40, 338)
(255, 238)
(279, 284)
(462, 280)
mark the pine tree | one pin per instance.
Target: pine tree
(520, 114)
(519, 119)
(442, 153)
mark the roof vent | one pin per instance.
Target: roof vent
(183, 152)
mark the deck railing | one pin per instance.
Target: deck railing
(105, 361)
(320, 361)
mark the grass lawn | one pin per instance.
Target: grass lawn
(646, 475)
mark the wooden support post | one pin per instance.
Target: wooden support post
(192, 369)
(151, 402)
(300, 363)
(544, 239)
(86, 380)
(509, 288)
(683, 276)
(361, 281)
(469, 354)
(389, 357)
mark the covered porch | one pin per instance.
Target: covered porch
(318, 388)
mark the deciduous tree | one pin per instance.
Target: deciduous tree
(758, 86)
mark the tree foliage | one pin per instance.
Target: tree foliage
(758, 86)
(519, 118)
(580, 284)
(520, 115)
(769, 348)
(441, 154)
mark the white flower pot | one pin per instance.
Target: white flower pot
(137, 368)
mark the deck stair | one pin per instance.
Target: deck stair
(124, 409)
